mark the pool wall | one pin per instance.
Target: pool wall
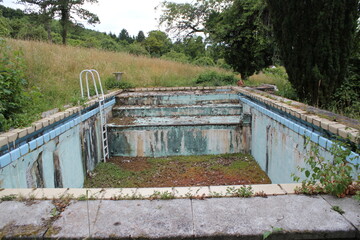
(279, 135)
(55, 155)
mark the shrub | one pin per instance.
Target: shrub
(213, 78)
(281, 80)
(111, 83)
(333, 177)
(176, 56)
(12, 84)
(204, 61)
(222, 64)
(137, 49)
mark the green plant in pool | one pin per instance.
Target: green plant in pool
(333, 177)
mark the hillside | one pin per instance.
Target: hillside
(52, 72)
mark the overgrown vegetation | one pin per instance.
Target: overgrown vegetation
(333, 177)
(224, 169)
(213, 78)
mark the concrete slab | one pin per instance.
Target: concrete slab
(290, 187)
(73, 223)
(350, 206)
(141, 219)
(24, 219)
(300, 216)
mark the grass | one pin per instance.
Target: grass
(54, 70)
(225, 169)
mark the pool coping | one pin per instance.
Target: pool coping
(261, 190)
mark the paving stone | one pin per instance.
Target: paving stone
(24, 219)
(350, 206)
(268, 189)
(11, 136)
(290, 188)
(303, 216)
(334, 127)
(3, 141)
(141, 219)
(150, 192)
(186, 192)
(73, 222)
(18, 192)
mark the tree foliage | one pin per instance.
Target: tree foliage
(315, 40)
(65, 9)
(140, 37)
(242, 29)
(157, 43)
(238, 30)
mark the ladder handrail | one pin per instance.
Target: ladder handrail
(91, 71)
(101, 101)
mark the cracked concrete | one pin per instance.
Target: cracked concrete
(299, 217)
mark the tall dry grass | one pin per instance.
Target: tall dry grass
(54, 69)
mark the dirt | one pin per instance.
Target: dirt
(227, 169)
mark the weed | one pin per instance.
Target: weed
(32, 197)
(82, 197)
(338, 209)
(21, 198)
(333, 177)
(162, 195)
(260, 194)
(215, 194)
(272, 231)
(357, 196)
(54, 212)
(10, 197)
(240, 192)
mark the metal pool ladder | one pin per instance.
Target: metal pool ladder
(101, 100)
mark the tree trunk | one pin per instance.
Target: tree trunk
(64, 21)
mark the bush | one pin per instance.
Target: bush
(176, 56)
(111, 83)
(12, 84)
(281, 81)
(213, 78)
(137, 50)
(346, 99)
(221, 63)
(204, 61)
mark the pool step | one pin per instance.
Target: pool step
(176, 98)
(177, 110)
(184, 135)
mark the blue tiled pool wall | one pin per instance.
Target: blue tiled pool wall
(38, 138)
(317, 135)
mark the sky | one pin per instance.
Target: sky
(133, 15)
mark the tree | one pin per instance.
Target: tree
(44, 8)
(315, 40)
(67, 8)
(125, 37)
(242, 29)
(186, 18)
(157, 43)
(140, 37)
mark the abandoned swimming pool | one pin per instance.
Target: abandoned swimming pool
(58, 151)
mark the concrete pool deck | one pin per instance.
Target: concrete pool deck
(285, 216)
